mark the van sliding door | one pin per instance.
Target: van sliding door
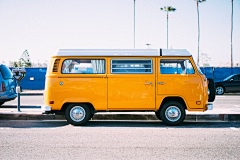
(131, 83)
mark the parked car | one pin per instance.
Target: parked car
(228, 85)
(7, 85)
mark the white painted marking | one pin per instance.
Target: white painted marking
(236, 105)
(233, 128)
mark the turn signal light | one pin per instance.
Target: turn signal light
(51, 102)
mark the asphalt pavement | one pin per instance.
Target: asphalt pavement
(119, 140)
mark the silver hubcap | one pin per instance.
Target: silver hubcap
(77, 113)
(219, 90)
(173, 113)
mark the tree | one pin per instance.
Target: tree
(205, 59)
(17, 64)
(198, 1)
(25, 59)
(168, 9)
(3, 62)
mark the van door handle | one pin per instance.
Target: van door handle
(161, 83)
(147, 83)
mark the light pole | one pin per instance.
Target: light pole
(134, 24)
(198, 1)
(231, 35)
(148, 45)
(168, 9)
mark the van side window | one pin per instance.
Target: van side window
(83, 66)
(176, 66)
(133, 66)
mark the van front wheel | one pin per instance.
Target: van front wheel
(157, 113)
(172, 113)
(77, 114)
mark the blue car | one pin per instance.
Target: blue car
(7, 85)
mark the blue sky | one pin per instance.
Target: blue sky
(44, 26)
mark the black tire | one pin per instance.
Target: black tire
(91, 115)
(77, 114)
(211, 87)
(220, 90)
(157, 113)
(172, 113)
(1, 103)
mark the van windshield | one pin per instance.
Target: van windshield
(6, 73)
(198, 68)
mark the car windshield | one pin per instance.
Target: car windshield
(228, 78)
(198, 68)
(6, 73)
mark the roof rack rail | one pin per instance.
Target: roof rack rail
(121, 52)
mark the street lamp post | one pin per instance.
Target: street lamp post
(168, 9)
(134, 24)
(148, 45)
(198, 1)
(231, 35)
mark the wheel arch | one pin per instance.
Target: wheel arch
(91, 107)
(177, 99)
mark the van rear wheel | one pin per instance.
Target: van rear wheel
(77, 114)
(172, 113)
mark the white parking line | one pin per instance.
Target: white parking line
(233, 128)
(228, 97)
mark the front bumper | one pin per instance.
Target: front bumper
(209, 106)
(46, 108)
(5, 98)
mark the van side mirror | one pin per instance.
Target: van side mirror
(231, 80)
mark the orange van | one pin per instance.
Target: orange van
(81, 82)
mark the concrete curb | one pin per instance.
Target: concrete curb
(128, 117)
(30, 94)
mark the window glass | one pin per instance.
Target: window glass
(236, 78)
(134, 66)
(83, 66)
(198, 68)
(176, 66)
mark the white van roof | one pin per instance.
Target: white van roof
(121, 52)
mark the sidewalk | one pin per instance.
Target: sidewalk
(226, 114)
(26, 92)
(36, 114)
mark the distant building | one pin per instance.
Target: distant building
(228, 64)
